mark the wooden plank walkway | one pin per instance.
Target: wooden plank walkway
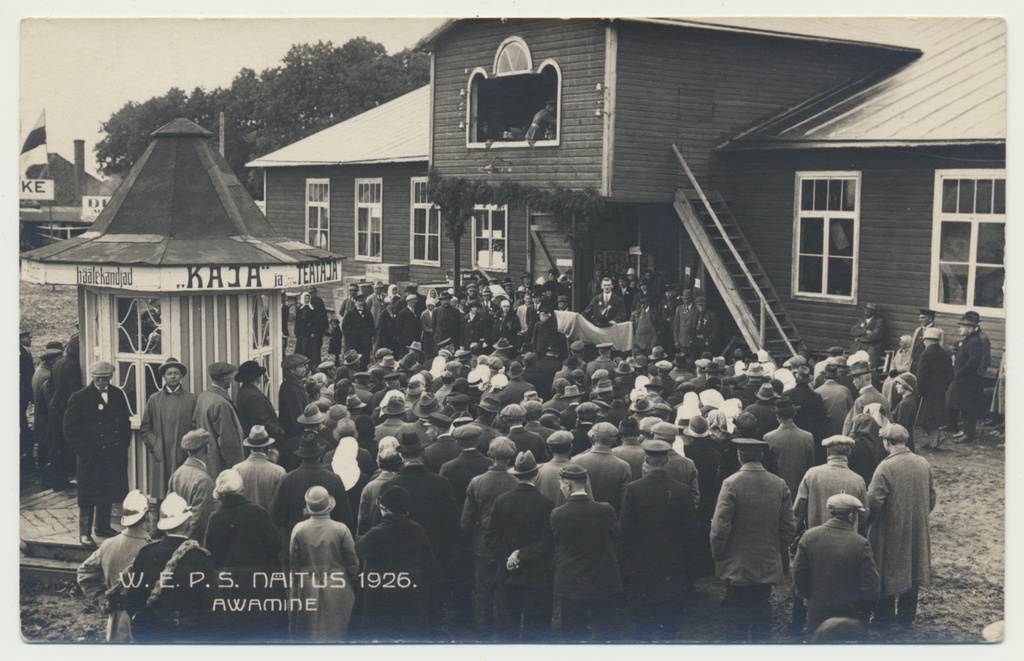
(52, 516)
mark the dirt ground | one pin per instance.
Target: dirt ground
(967, 526)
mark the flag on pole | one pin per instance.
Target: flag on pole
(33, 151)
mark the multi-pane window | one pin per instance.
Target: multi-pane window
(426, 225)
(318, 213)
(139, 349)
(369, 212)
(826, 235)
(490, 238)
(969, 240)
(261, 343)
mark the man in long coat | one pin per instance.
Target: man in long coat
(167, 418)
(750, 535)
(966, 398)
(901, 496)
(447, 322)
(359, 327)
(254, 408)
(682, 322)
(608, 474)
(868, 334)
(291, 396)
(519, 537)
(927, 319)
(658, 531)
(407, 322)
(192, 482)
(587, 578)
(934, 374)
(97, 426)
(67, 379)
(833, 568)
(260, 475)
(215, 412)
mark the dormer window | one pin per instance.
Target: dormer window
(514, 104)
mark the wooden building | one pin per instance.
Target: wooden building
(705, 136)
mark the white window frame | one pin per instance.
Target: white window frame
(140, 360)
(430, 208)
(490, 209)
(379, 206)
(471, 101)
(323, 218)
(795, 292)
(975, 220)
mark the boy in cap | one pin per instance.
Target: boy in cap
(101, 572)
(834, 569)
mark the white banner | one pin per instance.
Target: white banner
(184, 279)
(92, 205)
(36, 189)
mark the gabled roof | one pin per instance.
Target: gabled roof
(955, 93)
(394, 132)
(62, 171)
(180, 205)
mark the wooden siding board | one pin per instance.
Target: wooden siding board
(578, 48)
(897, 189)
(749, 78)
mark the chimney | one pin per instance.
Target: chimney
(79, 167)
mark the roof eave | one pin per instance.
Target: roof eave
(762, 145)
(266, 163)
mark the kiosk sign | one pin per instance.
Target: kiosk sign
(36, 189)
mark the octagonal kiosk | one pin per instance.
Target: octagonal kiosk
(181, 263)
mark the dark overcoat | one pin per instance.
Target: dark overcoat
(99, 434)
(254, 408)
(967, 392)
(521, 519)
(359, 328)
(934, 374)
(586, 566)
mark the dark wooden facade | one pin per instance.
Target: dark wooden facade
(896, 221)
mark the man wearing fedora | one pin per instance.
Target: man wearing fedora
(519, 538)
(260, 474)
(101, 571)
(682, 323)
(834, 569)
(763, 410)
(863, 380)
(192, 481)
(287, 507)
(869, 333)
(792, 446)
(966, 396)
(311, 421)
(166, 602)
(253, 406)
(702, 451)
(659, 532)
(166, 419)
(97, 426)
(215, 412)
(750, 535)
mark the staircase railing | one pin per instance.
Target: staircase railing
(739, 260)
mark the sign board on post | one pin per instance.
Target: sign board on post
(635, 251)
(92, 205)
(36, 189)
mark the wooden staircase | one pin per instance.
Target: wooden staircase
(733, 266)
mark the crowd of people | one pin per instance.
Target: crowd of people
(474, 476)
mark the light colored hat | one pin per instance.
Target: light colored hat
(894, 433)
(318, 501)
(932, 333)
(101, 368)
(196, 439)
(603, 430)
(135, 506)
(174, 511)
(229, 481)
(665, 431)
(844, 502)
(258, 438)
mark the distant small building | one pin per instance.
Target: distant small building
(78, 199)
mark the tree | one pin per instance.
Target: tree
(316, 86)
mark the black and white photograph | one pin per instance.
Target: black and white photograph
(658, 329)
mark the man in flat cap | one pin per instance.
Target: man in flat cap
(167, 418)
(834, 569)
(519, 538)
(750, 535)
(192, 481)
(901, 496)
(291, 396)
(869, 333)
(658, 535)
(97, 427)
(587, 578)
(609, 475)
(215, 412)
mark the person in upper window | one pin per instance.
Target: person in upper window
(543, 124)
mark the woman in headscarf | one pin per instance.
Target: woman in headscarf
(323, 559)
(246, 546)
(305, 322)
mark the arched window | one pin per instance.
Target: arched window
(516, 104)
